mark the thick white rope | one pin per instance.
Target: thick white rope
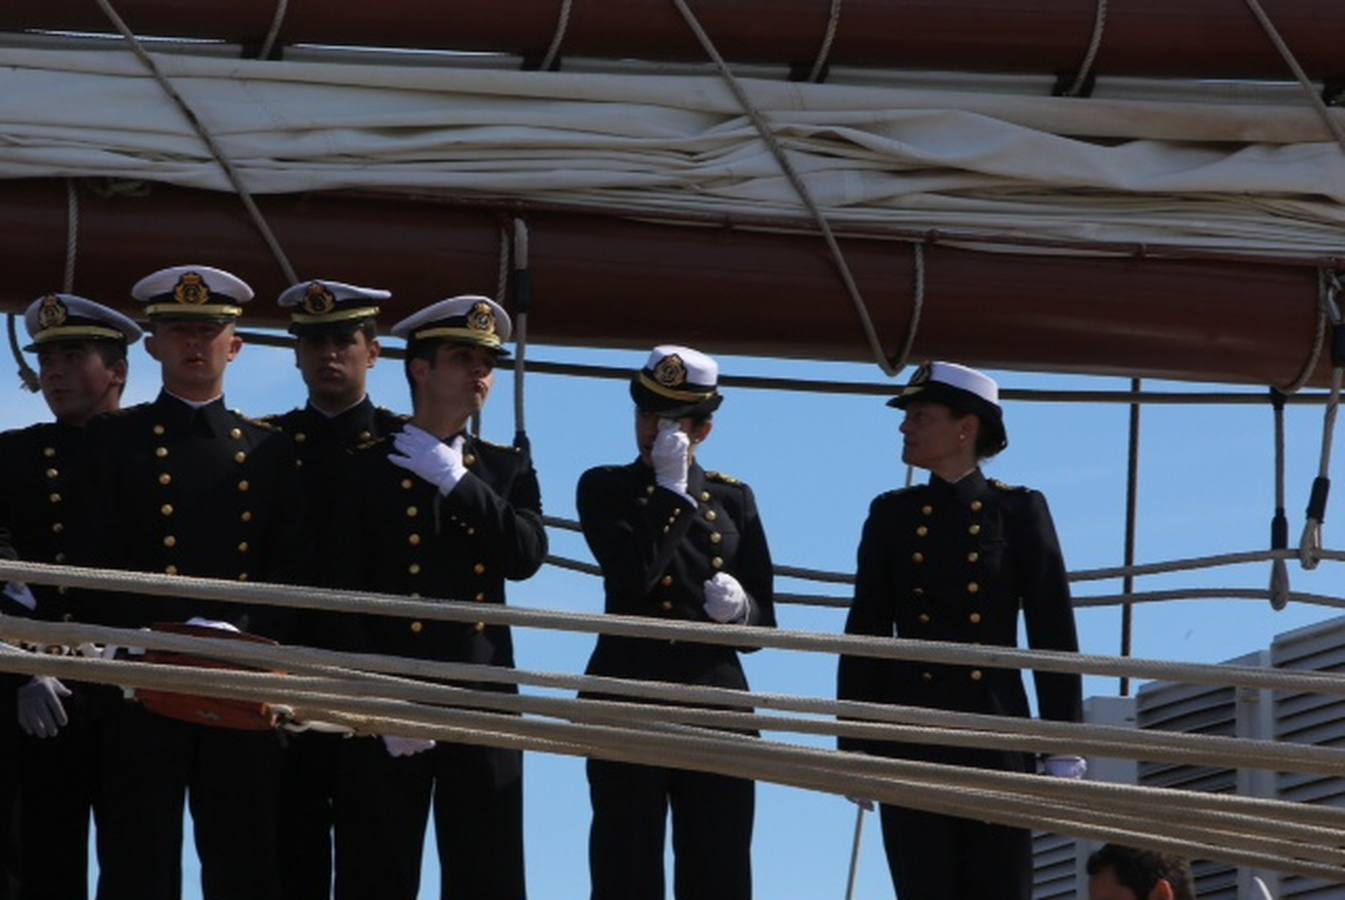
(282, 7)
(1094, 44)
(828, 37)
(800, 187)
(207, 138)
(562, 25)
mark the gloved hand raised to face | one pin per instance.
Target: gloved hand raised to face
(671, 456)
(725, 599)
(41, 713)
(406, 746)
(424, 454)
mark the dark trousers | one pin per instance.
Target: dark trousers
(307, 815)
(231, 780)
(712, 833)
(935, 857)
(382, 806)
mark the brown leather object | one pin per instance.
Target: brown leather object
(217, 712)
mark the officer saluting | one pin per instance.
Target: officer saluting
(433, 512)
(337, 347)
(956, 560)
(674, 542)
(186, 486)
(81, 356)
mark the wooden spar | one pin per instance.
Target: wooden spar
(1192, 38)
(607, 281)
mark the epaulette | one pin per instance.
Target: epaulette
(260, 423)
(372, 442)
(507, 447)
(721, 478)
(996, 483)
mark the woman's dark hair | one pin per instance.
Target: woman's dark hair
(989, 440)
(1140, 870)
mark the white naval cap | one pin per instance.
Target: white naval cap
(68, 317)
(677, 381)
(468, 319)
(961, 388)
(321, 303)
(192, 292)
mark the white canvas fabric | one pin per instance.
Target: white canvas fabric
(1251, 178)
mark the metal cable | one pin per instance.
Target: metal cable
(1094, 44)
(562, 25)
(828, 37)
(917, 309)
(282, 6)
(1131, 514)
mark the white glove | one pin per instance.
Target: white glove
(671, 456)
(1071, 767)
(19, 593)
(725, 599)
(424, 454)
(213, 623)
(40, 711)
(405, 746)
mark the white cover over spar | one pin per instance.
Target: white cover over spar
(1254, 178)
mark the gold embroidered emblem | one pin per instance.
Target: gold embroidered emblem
(318, 300)
(481, 318)
(51, 313)
(671, 371)
(922, 374)
(191, 289)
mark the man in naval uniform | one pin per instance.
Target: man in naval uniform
(81, 357)
(435, 513)
(185, 486)
(337, 347)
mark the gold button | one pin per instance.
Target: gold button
(243, 547)
(927, 676)
(975, 529)
(649, 489)
(59, 557)
(406, 484)
(976, 506)
(158, 429)
(479, 568)
(412, 512)
(471, 531)
(365, 435)
(242, 576)
(161, 452)
(299, 438)
(705, 495)
(243, 485)
(976, 675)
(57, 528)
(49, 452)
(52, 473)
(974, 618)
(54, 498)
(165, 479)
(170, 570)
(927, 510)
(240, 456)
(298, 464)
(169, 541)
(468, 460)
(237, 433)
(973, 587)
(667, 605)
(921, 531)
(917, 557)
(417, 627)
(414, 568)
(919, 592)
(643, 501)
(717, 562)
(480, 627)
(665, 529)
(973, 556)
(715, 537)
(666, 581)
(677, 511)
(924, 618)
(413, 539)
(480, 598)
(246, 516)
(710, 515)
(166, 509)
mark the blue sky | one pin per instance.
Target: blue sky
(815, 462)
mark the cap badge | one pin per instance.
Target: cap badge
(671, 371)
(922, 374)
(318, 300)
(52, 312)
(191, 289)
(481, 318)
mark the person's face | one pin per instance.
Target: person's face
(335, 365)
(194, 355)
(76, 383)
(646, 430)
(459, 381)
(934, 436)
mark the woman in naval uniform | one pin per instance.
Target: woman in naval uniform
(956, 559)
(675, 543)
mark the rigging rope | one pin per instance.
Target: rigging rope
(1279, 523)
(1094, 44)
(1333, 123)
(828, 37)
(522, 306)
(282, 6)
(1310, 544)
(562, 25)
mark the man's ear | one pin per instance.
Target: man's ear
(418, 368)
(235, 346)
(152, 347)
(1162, 891)
(375, 348)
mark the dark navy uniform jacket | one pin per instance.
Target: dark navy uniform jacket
(398, 535)
(203, 492)
(657, 551)
(957, 562)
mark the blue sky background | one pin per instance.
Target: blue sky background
(815, 462)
